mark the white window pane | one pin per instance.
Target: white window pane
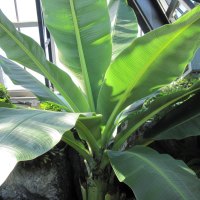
(1, 76)
(2, 53)
(26, 10)
(33, 32)
(8, 8)
(27, 13)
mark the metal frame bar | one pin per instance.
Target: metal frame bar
(49, 46)
(16, 12)
(50, 52)
(180, 11)
(40, 23)
(140, 7)
(41, 31)
(142, 20)
(172, 7)
(146, 10)
(25, 24)
(164, 4)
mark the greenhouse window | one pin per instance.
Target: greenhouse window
(30, 22)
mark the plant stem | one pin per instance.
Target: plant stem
(87, 135)
(96, 189)
(81, 151)
(107, 133)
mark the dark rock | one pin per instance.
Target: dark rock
(49, 177)
(19, 192)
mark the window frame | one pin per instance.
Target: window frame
(24, 96)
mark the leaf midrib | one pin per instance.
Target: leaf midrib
(159, 171)
(82, 57)
(37, 63)
(182, 123)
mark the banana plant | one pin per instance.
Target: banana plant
(113, 84)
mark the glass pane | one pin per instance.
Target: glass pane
(26, 10)
(2, 53)
(8, 8)
(27, 13)
(1, 76)
(33, 32)
(165, 4)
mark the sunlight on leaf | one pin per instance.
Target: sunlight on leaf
(8, 162)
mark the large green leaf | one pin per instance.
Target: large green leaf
(93, 123)
(26, 134)
(148, 63)
(154, 176)
(81, 30)
(155, 105)
(124, 26)
(179, 123)
(27, 52)
(19, 76)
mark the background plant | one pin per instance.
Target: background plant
(4, 96)
(112, 82)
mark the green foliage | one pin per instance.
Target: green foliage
(4, 96)
(187, 117)
(146, 164)
(44, 130)
(123, 26)
(113, 85)
(85, 39)
(48, 105)
(22, 77)
(17, 45)
(154, 107)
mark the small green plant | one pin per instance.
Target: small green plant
(113, 85)
(48, 105)
(4, 96)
